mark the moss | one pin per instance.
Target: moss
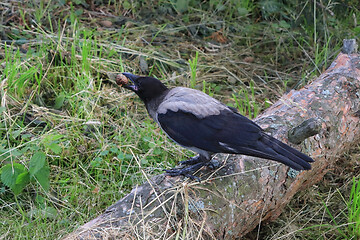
(292, 173)
(195, 206)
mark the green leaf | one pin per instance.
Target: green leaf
(114, 149)
(26, 136)
(126, 5)
(121, 156)
(146, 139)
(78, 12)
(96, 162)
(242, 11)
(51, 142)
(55, 148)
(157, 151)
(144, 161)
(14, 177)
(104, 153)
(37, 162)
(15, 133)
(23, 178)
(59, 101)
(9, 173)
(182, 5)
(40, 201)
(284, 24)
(16, 152)
(42, 176)
(123, 169)
(51, 137)
(152, 145)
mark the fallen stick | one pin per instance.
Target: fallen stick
(245, 191)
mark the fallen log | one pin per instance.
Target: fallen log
(245, 191)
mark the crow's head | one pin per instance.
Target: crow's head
(147, 88)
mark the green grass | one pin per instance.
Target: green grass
(351, 212)
(353, 205)
(246, 102)
(72, 143)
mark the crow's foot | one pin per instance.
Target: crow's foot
(186, 171)
(193, 160)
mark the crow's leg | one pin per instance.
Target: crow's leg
(193, 160)
(187, 171)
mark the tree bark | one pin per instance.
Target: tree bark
(245, 191)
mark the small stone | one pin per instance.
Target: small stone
(249, 59)
(106, 23)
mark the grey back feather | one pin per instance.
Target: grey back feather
(192, 101)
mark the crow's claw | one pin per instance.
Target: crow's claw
(186, 171)
(174, 173)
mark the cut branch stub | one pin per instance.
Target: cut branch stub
(305, 130)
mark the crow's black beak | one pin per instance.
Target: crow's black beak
(132, 84)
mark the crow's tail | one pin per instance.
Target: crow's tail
(286, 154)
(273, 149)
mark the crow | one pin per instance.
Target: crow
(206, 126)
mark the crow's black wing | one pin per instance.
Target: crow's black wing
(214, 133)
(228, 132)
